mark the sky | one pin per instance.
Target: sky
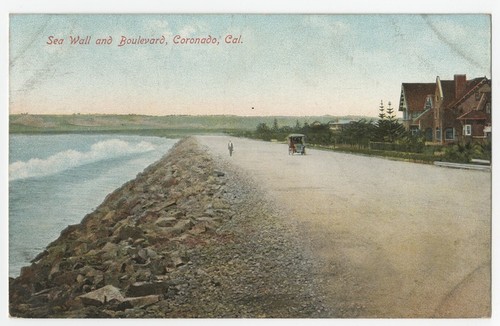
(285, 64)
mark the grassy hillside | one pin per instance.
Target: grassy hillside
(153, 125)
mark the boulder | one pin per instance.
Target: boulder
(102, 296)
(140, 289)
(151, 253)
(139, 302)
(166, 204)
(182, 226)
(110, 250)
(128, 231)
(112, 217)
(219, 173)
(166, 222)
(198, 229)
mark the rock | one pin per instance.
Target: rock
(170, 182)
(147, 217)
(80, 278)
(210, 212)
(170, 203)
(110, 250)
(198, 229)
(177, 261)
(140, 289)
(151, 253)
(81, 249)
(166, 221)
(111, 218)
(219, 173)
(54, 271)
(183, 238)
(138, 302)
(78, 265)
(143, 254)
(89, 271)
(144, 274)
(175, 213)
(130, 232)
(71, 232)
(137, 259)
(220, 204)
(102, 296)
(139, 241)
(181, 226)
(40, 256)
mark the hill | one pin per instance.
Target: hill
(161, 125)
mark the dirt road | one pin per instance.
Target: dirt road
(391, 239)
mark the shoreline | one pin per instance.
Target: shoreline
(177, 241)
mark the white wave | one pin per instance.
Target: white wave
(65, 160)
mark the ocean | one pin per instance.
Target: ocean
(55, 180)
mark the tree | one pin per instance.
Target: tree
(297, 125)
(358, 133)
(388, 128)
(262, 128)
(390, 113)
(275, 125)
(381, 114)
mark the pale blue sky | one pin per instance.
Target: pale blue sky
(286, 65)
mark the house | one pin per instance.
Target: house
(472, 110)
(415, 101)
(316, 124)
(338, 124)
(448, 111)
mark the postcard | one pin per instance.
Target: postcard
(250, 165)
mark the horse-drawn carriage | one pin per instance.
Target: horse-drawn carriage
(296, 144)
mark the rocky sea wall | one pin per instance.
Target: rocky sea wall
(190, 236)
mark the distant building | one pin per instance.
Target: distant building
(448, 111)
(338, 125)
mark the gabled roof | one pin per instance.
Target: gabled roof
(448, 88)
(473, 115)
(470, 88)
(416, 95)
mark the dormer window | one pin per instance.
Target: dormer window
(428, 103)
(478, 96)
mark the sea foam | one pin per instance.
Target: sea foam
(68, 159)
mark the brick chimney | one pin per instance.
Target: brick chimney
(460, 84)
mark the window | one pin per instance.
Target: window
(438, 134)
(449, 134)
(478, 96)
(428, 103)
(488, 108)
(428, 134)
(467, 130)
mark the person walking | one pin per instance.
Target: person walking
(230, 147)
